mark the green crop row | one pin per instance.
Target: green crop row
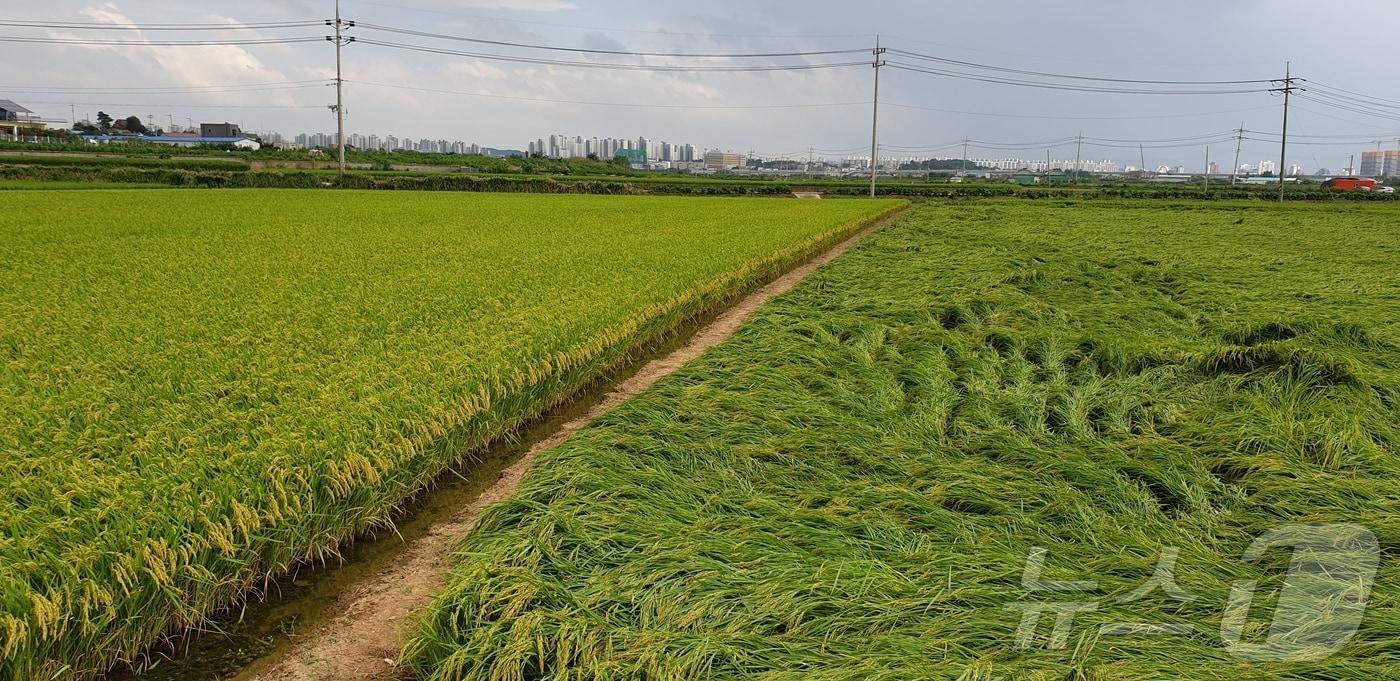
(117, 170)
(854, 486)
(203, 388)
(218, 164)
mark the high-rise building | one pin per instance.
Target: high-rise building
(1380, 163)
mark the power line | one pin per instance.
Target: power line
(1062, 76)
(983, 144)
(1356, 137)
(1196, 143)
(1071, 88)
(1330, 100)
(1328, 115)
(160, 43)
(161, 91)
(1357, 101)
(1072, 118)
(603, 65)
(610, 104)
(1292, 142)
(1325, 86)
(155, 105)
(579, 50)
(605, 29)
(103, 26)
(162, 88)
(1189, 138)
(1344, 107)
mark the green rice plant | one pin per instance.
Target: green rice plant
(200, 389)
(850, 487)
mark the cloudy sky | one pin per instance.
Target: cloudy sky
(1182, 40)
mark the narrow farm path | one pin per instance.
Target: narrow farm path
(362, 639)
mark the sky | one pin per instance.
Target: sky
(1180, 40)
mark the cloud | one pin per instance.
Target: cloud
(475, 70)
(201, 65)
(513, 5)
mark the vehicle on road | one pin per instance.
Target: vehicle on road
(1350, 184)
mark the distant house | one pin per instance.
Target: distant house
(178, 140)
(16, 120)
(219, 130)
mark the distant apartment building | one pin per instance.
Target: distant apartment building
(718, 160)
(1380, 163)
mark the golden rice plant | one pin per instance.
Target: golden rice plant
(201, 388)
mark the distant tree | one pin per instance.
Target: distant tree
(592, 156)
(134, 124)
(621, 161)
(104, 122)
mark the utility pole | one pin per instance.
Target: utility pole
(1287, 91)
(875, 118)
(1142, 156)
(964, 158)
(1351, 165)
(339, 108)
(1078, 152)
(1207, 169)
(1239, 142)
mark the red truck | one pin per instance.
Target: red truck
(1351, 184)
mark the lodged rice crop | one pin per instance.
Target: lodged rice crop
(857, 485)
(200, 388)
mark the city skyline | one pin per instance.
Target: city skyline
(562, 146)
(501, 104)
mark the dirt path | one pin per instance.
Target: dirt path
(362, 639)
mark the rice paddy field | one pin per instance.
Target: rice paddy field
(200, 388)
(858, 484)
